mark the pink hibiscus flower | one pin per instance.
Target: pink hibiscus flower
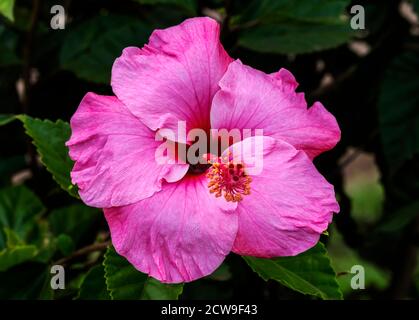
(177, 221)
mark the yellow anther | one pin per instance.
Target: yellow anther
(229, 180)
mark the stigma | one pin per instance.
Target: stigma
(228, 179)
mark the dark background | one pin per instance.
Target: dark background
(367, 78)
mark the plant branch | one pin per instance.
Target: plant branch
(406, 261)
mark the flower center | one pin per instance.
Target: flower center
(228, 179)
(197, 169)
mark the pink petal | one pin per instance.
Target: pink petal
(115, 154)
(178, 235)
(251, 99)
(174, 77)
(290, 203)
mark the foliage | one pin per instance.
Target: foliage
(398, 106)
(49, 139)
(283, 27)
(308, 273)
(125, 282)
(91, 47)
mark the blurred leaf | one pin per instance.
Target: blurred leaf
(222, 273)
(399, 109)
(26, 281)
(290, 27)
(6, 8)
(65, 244)
(6, 118)
(22, 236)
(19, 208)
(367, 197)
(10, 257)
(309, 272)
(189, 5)
(94, 285)
(12, 239)
(155, 290)
(49, 139)
(294, 38)
(45, 242)
(16, 251)
(125, 282)
(343, 258)
(92, 46)
(46, 293)
(75, 220)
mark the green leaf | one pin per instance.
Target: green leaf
(65, 244)
(75, 221)
(50, 138)
(287, 27)
(125, 282)
(188, 5)
(91, 47)
(6, 118)
(23, 236)
(94, 285)
(6, 8)
(399, 110)
(304, 10)
(343, 258)
(45, 242)
(10, 257)
(12, 239)
(155, 290)
(308, 273)
(19, 208)
(294, 38)
(16, 251)
(399, 219)
(26, 281)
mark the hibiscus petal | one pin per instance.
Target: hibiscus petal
(174, 77)
(290, 203)
(251, 99)
(178, 235)
(115, 154)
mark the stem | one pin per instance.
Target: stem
(84, 251)
(354, 155)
